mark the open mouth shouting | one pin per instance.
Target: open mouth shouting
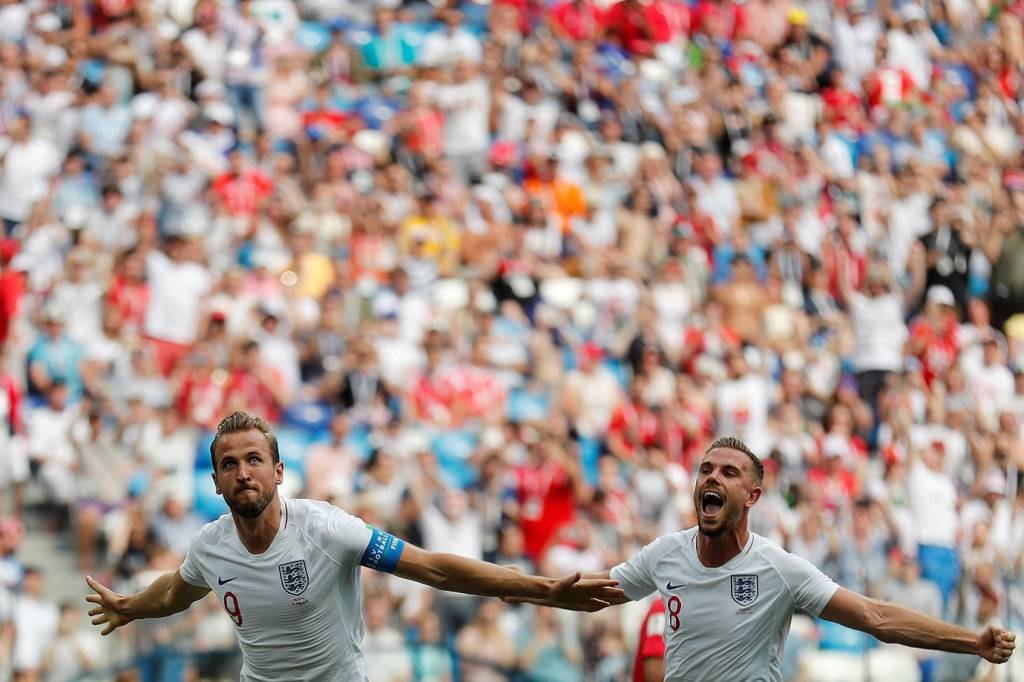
(711, 504)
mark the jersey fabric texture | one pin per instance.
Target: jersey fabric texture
(730, 622)
(296, 606)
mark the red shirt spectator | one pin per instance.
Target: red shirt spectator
(12, 288)
(130, 297)
(252, 386)
(935, 342)
(546, 491)
(577, 19)
(242, 189)
(633, 425)
(842, 106)
(638, 26)
(719, 19)
(652, 639)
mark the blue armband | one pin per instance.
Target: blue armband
(383, 552)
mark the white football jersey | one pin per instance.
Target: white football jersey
(296, 606)
(730, 622)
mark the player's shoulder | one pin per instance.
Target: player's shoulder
(213, 534)
(314, 514)
(783, 561)
(680, 542)
(768, 550)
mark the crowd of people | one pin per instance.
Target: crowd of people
(498, 272)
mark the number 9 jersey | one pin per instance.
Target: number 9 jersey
(296, 606)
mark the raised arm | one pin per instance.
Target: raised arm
(454, 573)
(896, 624)
(167, 595)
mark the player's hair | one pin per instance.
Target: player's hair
(733, 443)
(240, 422)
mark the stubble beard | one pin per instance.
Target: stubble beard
(251, 510)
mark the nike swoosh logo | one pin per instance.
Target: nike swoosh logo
(221, 581)
(670, 586)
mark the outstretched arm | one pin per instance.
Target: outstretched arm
(619, 597)
(167, 595)
(896, 624)
(454, 573)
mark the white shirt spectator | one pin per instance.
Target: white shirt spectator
(462, 536)
(14, 22)
(719, 200)
(855, 45)
(933, 505)
(879, 332)
(177, 292)
(466, 107)
(598, 394)
(741, 409)
(49, 442)
(208, 50)
(907, 52)
(908, 221)
(445, 48)
(25, 174)
(35, 624)
(991, 387)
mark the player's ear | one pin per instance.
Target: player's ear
(754, 495)
(279, 472)
(216, 485)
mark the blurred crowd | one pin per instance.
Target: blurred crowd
(498, 272)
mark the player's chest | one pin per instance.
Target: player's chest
(277, 587)
(722, 605)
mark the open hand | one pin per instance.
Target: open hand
(996, 644)
(576, 593)
(109, 607)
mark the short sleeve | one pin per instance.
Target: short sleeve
(345, 536)
(190, 570)
(634, 575)
(811, 589)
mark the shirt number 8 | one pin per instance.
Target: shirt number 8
(675, 605)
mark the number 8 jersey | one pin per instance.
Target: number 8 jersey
(729, 622)
(296, 606)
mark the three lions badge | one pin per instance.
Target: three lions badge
(744, 589)
(294, 578)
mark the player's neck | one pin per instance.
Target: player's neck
(715, 552)
(258, 534)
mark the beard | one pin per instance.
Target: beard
(250, 510)
(714, 533)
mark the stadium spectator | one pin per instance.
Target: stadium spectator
(546, 199)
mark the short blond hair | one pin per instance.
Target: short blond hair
(240, 422)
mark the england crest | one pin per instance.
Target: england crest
(744, 589)
(294, 578)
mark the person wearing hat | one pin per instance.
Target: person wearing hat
(807, 50)
(912, 44)
(54, 358)
(856, 35)
(933, 334)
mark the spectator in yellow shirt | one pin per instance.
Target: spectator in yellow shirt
(430, 234)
